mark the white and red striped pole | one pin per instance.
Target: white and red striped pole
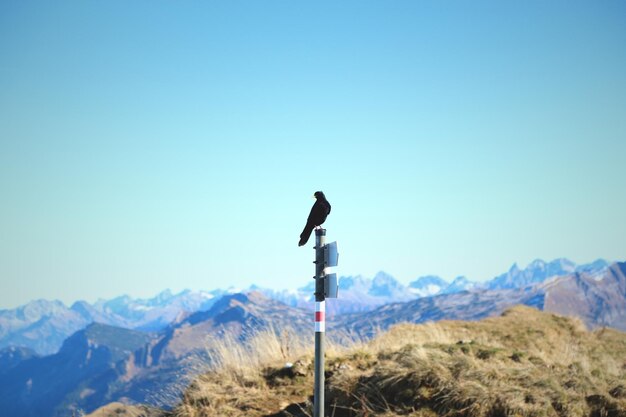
(320, 323)
(320, 316)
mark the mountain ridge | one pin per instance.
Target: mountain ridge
(42, 325)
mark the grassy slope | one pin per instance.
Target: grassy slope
(525, 363)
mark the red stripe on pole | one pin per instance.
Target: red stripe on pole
(319, 316)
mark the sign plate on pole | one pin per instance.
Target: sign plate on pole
(330, 286)
(331, 257)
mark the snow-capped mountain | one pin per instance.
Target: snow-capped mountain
(539, 271)
(300, 297)
(356, 293)
(427, 286)
(149, 314)
(595, 269)
(430, 285)
(384, 285)
(460, 284)
(40, 325)
(536, 272)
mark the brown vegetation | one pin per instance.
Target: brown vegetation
(525, 363)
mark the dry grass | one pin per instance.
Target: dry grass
(525, 363)
(266, 372)
(263, 348)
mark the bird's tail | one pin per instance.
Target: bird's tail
(306, 234)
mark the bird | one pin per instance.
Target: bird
(319, 212)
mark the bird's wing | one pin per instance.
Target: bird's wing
(316, 211)
(312, 212)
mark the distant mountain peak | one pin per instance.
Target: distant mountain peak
(594, 267)
(428, 285)
(118, 341)
(240, 301)
(428, 279)
(348, 282)
(247, 297)
(384, 285)
(383, 276)
(104, 334)
(539, 271)
(164, 295)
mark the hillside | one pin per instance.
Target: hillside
(102, 364)
(80, 374)
(523, 363)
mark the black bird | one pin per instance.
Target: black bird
(318, 214)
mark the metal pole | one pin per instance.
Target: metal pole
(320, 323)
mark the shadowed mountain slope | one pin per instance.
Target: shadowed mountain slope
(80, 373)
(12, 356)
(101, 363)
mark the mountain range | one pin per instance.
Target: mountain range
(43, 325)
(102, 363)
(598, 300)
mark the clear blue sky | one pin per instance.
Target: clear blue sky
(147, 145)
